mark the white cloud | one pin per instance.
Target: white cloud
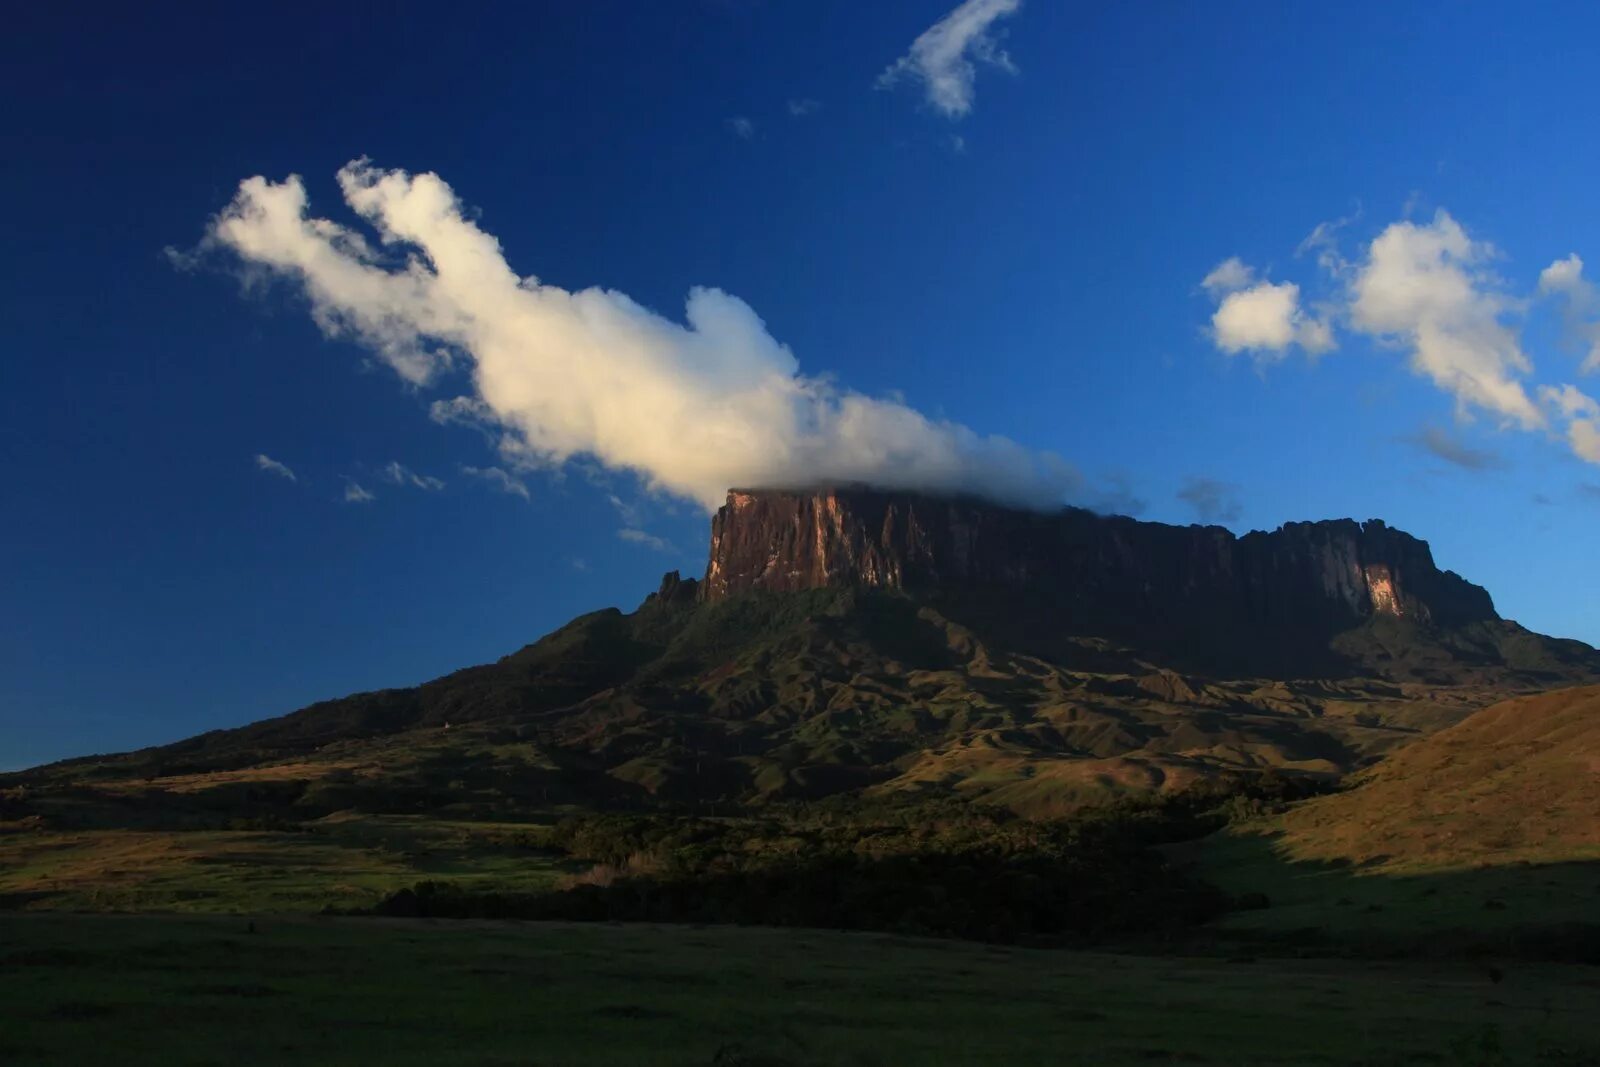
(396, 474)
(271, 466)
(1264, 319)
(945, 57)
(1231, 274)
(804, 106)
(1570, 401)
(648, 540)
(693, 408)
(1581, 305)
(1426, 289)
(1423, 287)
(1581, 412)
(355, 494)
(499, 479)
(1584, 437)
(742, 128)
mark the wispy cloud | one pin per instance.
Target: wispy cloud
(397, 474)
(355, 494)
(1213, 501)
(944, 58)
(1581, 413)
(1580, 306)
(1441, 444)
(648, 540)
(692, 407)
(271, 466)
(499, 479)
(804, 106)
(742, 127)
(1231, 275)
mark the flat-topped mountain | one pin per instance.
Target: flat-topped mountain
(848, 640)
(1091, 566)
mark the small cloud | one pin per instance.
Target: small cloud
(944, 57)
(1582, 414)
(1231, 274)
(1264, 319)
(499, 479)
(958, 144)
(1212, 501)
(741, 127)
(271, 466)
(578, 563)
(355, 494)
(628, 512)
(804, 106)
(1324, 242)
(1589, 490)
(462, 411)
(397, 474)
(648, 540)
(1580, 306)
(187, 262)
(1441, 445)
(1542, 500)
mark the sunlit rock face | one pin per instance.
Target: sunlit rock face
(1085, 564)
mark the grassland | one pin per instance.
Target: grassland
(205, 990)
(344, 861)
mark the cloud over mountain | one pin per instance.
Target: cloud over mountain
(692, 408)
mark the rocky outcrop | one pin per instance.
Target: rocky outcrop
(1114, 569)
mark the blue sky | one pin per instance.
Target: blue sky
(1022, 254)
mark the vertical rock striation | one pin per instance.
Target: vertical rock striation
(1084, 565)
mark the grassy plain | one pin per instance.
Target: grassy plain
(206, 990)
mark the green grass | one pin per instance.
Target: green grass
(1342, 907)
(200, 990)
(344, 861)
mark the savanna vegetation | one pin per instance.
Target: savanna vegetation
(181, 991)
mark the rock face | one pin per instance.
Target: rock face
(1110, 569)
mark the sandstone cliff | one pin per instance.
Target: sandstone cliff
(1086, 565)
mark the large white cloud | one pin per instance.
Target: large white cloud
(1423, 287)
(693, 408)
(942, 57)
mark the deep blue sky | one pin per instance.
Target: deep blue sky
(1040, 278)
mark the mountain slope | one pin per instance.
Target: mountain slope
(1518, 781)
(896, 644)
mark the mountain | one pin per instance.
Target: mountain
(848, 640)
(1265, 603)
(1515, 782)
